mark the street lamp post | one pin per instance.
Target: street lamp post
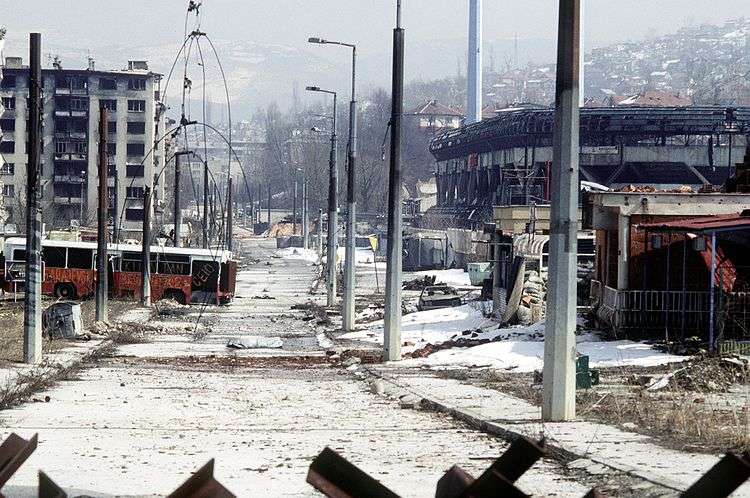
(351, 195)
(332, 204)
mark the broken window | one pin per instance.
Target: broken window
(134, 192)
(136, 127)
(136, 149)
(174, 264)
(54, 257)
(9, 103)
(134, 170)
(136, 84)
(111, 148)
(108, 104)
(8, 147)
(137, 105)
(9, 190)
(107, 84)
(8, 169)
(8, 81)
(81, 259)
(7, 124)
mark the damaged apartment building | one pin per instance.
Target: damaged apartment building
(71, 102)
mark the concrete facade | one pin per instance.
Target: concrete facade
(71, 100)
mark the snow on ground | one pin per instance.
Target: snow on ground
(455, 277)
(363, 255)
(309, 255)
(433, 327)
(517, 348)
(527, 356)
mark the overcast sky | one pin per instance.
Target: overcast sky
(366, 21)
(436, 29)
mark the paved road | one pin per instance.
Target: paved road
(139, 423)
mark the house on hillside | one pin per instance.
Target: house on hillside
(434, 116)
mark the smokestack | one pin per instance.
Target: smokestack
(474, 73)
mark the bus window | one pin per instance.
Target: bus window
(19, 255)
(54, 257)
(174, 264)
(131, 262)
(80, 259)
(205, 276)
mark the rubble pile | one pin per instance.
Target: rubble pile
(533, 308)
(419, 284)
(126, 332)
(468, 340)
(712, 374)
(703, 373)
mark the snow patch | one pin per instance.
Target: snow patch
(308, 255)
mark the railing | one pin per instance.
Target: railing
(677, 312)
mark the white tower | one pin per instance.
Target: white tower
(474, 73)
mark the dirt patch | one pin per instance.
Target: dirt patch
(704, 409)
(366, 356)
(234, 361)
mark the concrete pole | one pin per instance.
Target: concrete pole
(623, 248)
(294, 208)
(116, 202)
(351, 200)
(320, 233)
(32, 313)
(102, 258)
(474, 72)
(392, 318)
(305, 216)
(146, 249)
(332, 215)
(712, 296)
(205, 204)
(269, 205)
(582, 59)
(230, 215)
(177, 211)
(559, 340)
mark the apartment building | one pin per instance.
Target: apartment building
(71, 102)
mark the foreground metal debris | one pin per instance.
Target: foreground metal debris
(202, 484)
(336, 477)
(14, 451)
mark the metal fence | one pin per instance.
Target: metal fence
(676, 313)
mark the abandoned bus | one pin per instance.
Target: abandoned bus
(183, 274)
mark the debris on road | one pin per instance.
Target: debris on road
(438, 296)
(700, 374)
(255, 342)
(62, 320)
(421, 283)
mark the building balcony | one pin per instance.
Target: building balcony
(68, 201)
(75, 135)
(71, 91)
(68, 179)
(78, 113)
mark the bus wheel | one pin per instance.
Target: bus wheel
(65, 291)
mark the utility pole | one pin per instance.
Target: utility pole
(351, 201)
(146, 249)
(269, 205)
(320, 233)
(116, 202)
(102, 258)
(351, 197)
(177, 242)
(230, 214)
(205, 204)
(305, 215)
(559, 339)
(32, 313)
(392, 319)
(294, 208)
(332, 214)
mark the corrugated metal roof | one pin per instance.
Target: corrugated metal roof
(702, 224)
